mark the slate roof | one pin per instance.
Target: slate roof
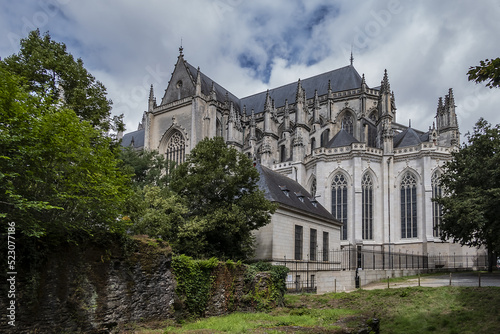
(342, 138)
(206, 87)
(341, 79)
(275, 186)
(409, 137)
(136, 138)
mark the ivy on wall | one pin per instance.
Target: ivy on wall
(194, 280)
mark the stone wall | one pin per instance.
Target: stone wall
(96, 289)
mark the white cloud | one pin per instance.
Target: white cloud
(427, 46)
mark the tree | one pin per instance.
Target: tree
(489, 70)
(219, 186)
(471, 198)
(145, 167)
(52, 72)
(59, 176)
(157, 212)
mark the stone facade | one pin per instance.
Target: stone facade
(333, 134)
(103, 288)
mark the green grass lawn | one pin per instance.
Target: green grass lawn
(401, 310)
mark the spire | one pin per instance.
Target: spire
(300, 92)
(451, 98)
(316, 107)
(198, 82)
(352, 58)
(384, 85)
(180, 50)
(151, 93)
(232, 113)
(213, 94)
(252, 119)
(268, 105)
(363, 83)
(152, 100)
(440, 105)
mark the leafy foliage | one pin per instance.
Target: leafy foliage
(51, 72)
(471, 182)
(194, 280)
(58, 175)
(489, 70)
(156, 212)
(145, 167)
(219, 186)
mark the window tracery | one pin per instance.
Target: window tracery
(409, 206)
(339, 202)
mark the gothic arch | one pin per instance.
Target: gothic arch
(312, 184)
(373, 175)
(367, 206)
(408, 190)
(401, 174)
(340, 170)
(174, 144)
(348, 121)
(340, 203)
(372, 115)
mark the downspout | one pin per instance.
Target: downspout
(389, 208)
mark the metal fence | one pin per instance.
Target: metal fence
(303, 272)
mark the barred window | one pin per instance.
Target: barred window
(437, 209)
(326, 245)
(176, 148)
(298, 242)
(367, 207)
(409, 206)
(339, 202)
(313, 243)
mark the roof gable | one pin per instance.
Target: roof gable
(181, 84)
(342, 138)
(407, 138)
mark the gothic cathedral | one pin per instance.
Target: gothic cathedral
(333, 134)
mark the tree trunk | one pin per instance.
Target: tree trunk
(492, 259)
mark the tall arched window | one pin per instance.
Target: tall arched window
(176, 148)
(339, 202)
(367, 207)
(437, 209)
(348, 123)
(409, 206)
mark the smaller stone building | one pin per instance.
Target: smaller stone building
(301, 228)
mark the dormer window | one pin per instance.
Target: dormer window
(285, 190)
(300, 196)
(313, 201)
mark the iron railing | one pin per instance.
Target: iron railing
(302, 273)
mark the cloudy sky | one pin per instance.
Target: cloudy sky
(427, 47)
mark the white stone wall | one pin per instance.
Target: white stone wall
(277, 239)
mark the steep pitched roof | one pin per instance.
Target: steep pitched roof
(134, 139)
(276, 186)
(341, 79)
(342, 138)
(206, 87)
(409, 137)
